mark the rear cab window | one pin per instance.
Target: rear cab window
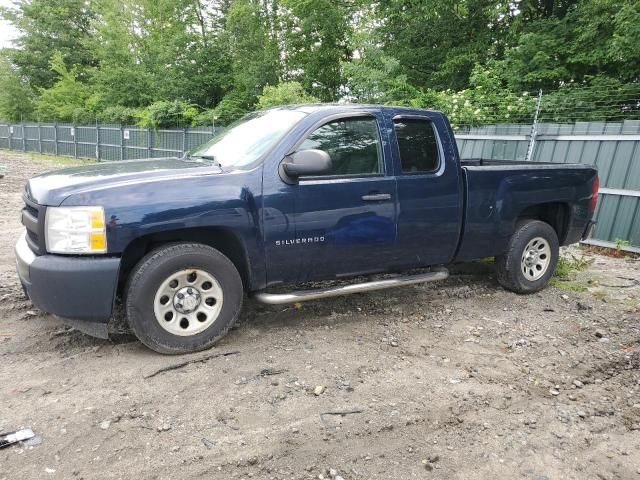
(352, 143)
(417, 145)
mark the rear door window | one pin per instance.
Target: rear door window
(418, 145)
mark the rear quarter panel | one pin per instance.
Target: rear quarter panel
(497, 195)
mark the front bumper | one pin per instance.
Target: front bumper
(72, 287)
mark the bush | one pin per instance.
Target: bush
(119, 114)
(287, 93)
(83, 116)
(168, 114)
(233, 106)
(206, 117)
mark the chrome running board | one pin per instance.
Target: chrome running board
(305, 295)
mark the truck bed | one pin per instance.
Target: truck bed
(497, 193)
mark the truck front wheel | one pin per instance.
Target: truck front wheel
(531, 257)
(183, 298)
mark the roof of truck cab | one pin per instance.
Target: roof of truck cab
(341, 107)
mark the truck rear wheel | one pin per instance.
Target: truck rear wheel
(531, 257)
(183, 298)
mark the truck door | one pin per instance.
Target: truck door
(428, 183)
(345, 222)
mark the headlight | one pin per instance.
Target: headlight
(79, 230)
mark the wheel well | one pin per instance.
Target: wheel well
(220, 238)
(555, 214)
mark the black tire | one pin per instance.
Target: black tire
(509, 266)
(159, 265)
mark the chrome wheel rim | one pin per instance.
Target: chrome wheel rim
(188, 302)
(536, 258)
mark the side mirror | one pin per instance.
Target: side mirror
(307, 162)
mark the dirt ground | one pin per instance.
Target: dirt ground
(457, 380)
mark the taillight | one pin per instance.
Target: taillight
(594, 194)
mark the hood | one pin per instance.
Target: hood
(53, 187)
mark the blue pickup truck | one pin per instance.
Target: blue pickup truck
(287, 196)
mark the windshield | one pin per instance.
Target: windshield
(247, 140)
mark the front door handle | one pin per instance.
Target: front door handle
(376, 197)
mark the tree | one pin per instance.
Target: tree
(16, 96)
(316, 38)
(253, 50)
(66, 97)
(438, 42)
(49, 26)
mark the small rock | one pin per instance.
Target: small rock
(333, 472)
(50, 470)
(583, 307)
(165, 427)
(319, 390)
(554, 392)
(599, 333)
(565, 297)
(105, 424)
(393, 343)
(582, 414)
(578, 383)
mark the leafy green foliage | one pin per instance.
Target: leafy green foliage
(254, 51)
(119, 115)
(50, 26)
(67, 95)
(184, 62)
(316, 36)
(168, 114)
(287, 93)
(16, 96)
(233, 107)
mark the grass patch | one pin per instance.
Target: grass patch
(60, 161)
(52, 160)
(569, 285)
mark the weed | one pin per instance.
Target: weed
(563, 277)
(620, 244)
(568, 266)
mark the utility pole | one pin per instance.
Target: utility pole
(534, 128)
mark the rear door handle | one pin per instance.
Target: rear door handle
(376, 197)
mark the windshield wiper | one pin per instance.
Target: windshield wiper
(211, 158)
